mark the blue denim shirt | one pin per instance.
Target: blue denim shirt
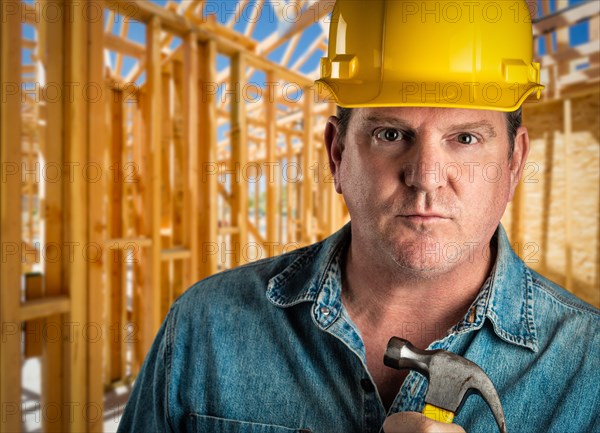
(269, 348)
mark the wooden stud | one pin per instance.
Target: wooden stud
(124, 47)
(33, 336)
(308, 235)
(166, 198)
(142, 244)
(180, 172)
(239, 157)
(116, 256)
(75, 217)
(549, 154)
(51, 146)
(206, 150)
(568, 209)
(98, 124)
(516, 222)
(45, 307)
(289, 191)
(122, 36)
(153, 137)
(272, 210)
(10, 233)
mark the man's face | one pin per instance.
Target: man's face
(425, 187)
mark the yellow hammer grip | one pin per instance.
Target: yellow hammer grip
(438, 414)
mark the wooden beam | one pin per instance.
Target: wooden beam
(191, 189)
(124, 46)
(34, 290)
(122, 36)
(571, 53)
(144, 11)
(253, 19)
(239, 156)
(308, 17)
(239, 8)
(516, 222)
(128, 242)
(96, 209)
(290, 191)
(115, 264)
(140, 196)
(175, 253)
(307, 161)
(166, 191)
(289, 50)
(180, 172)
(10, 227)
(52, 147)
(45, 307)
(594, 30)
(568, 208)
(207, 160)
(272, 211)
(74, 215)
(308, 52)
(584, 76)
(153, 131)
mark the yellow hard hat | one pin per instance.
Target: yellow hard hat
(431, 53)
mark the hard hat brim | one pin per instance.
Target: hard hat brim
(479, 96)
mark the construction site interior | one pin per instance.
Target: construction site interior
(149, 144)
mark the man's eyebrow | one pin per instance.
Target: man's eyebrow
(388, 120)
(469, 126)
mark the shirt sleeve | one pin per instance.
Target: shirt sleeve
(147, 409)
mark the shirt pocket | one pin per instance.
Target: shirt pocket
(210, 424)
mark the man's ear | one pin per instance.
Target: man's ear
(518, 159)
(333, 143)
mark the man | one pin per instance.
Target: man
(427, 161)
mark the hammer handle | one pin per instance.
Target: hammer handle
(438, 414)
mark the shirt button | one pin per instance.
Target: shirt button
(325, 311)
(367, 385)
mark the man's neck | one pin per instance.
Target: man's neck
(378, 298)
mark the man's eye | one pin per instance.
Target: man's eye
(389, 134)
(466, 138)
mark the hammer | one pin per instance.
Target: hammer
(451, 377)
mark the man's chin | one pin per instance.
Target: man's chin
(419, 267)
(422, 270)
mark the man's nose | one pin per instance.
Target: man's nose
(423, 169)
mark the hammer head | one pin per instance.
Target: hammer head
(451, 377)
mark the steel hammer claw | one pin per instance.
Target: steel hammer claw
(451, 377)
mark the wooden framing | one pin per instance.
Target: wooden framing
(98, 124)
(75, 281)
(175, 147)
(10, 265)
(207, 157)
(53, 390)
(239, 154)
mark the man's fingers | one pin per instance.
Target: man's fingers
(414, 422)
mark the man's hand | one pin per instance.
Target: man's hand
(414, 422)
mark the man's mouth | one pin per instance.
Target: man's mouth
(424, 217)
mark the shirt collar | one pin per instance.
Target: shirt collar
(315, 276)
(506, 297)
(510, 305)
